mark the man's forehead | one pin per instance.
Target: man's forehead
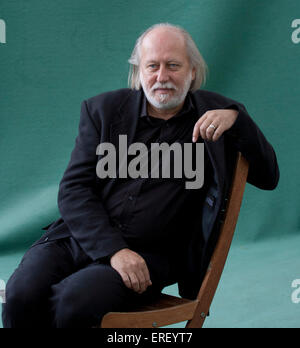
(163, 42)
(164, 36)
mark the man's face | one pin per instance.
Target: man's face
(165, 70)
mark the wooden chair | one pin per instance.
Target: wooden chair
(169, 309)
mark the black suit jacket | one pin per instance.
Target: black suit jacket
(106, 116)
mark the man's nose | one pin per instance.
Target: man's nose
(162, 75)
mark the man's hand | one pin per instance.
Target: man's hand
(132, 268)
(214, 123)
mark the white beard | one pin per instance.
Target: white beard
(166, 102)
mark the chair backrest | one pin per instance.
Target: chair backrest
(219, 256)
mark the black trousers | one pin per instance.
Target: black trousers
(57, 285)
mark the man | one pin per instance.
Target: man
(121, 240)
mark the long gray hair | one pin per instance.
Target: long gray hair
(196, 59)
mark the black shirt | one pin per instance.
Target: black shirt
(153, 213)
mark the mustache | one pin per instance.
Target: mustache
(168, 85)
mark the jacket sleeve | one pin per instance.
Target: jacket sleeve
(78, 201)
(250, 141)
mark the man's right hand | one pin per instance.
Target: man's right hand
(132, 268)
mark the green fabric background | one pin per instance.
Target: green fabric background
(61, 52)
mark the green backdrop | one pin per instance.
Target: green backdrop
(60, 52)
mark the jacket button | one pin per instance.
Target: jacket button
(46, 239)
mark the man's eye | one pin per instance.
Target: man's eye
(173, 65)
(152, 66)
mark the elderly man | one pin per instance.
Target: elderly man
(120, 239)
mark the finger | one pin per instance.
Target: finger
(145, 272)
(144, 277)
(196, 130)
(142, 282)
(147, 276)
(218, 132)
(126, 279)
(210, 131)
(135, 284)
(205, 130)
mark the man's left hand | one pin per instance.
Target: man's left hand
(214, 123)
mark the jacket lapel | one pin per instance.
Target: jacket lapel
(127, 119)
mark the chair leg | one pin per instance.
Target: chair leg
(196, 322)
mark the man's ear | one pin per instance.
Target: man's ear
(193, 74)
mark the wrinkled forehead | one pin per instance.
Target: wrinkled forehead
(163, 44)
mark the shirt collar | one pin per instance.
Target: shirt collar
(188, 106)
